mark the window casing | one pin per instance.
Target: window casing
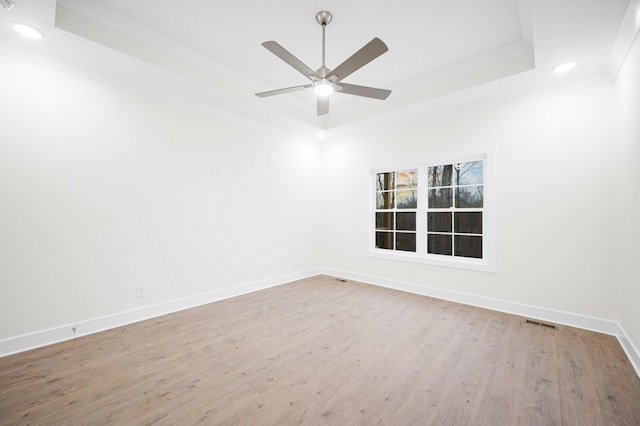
(438, 213)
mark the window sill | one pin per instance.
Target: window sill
(482, 265)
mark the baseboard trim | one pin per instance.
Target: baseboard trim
(534, 312)
(630, 349)
(59, 334)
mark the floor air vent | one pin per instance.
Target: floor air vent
(341, 280)
(541, 324)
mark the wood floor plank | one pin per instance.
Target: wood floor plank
(325, 352)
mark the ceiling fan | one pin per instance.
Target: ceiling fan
(324, 80)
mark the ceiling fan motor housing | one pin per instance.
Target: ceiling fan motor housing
(324, 17)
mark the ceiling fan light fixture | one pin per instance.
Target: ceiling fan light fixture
(323, 88)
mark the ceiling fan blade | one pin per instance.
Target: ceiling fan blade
(286, 56)
(366, 54)
(367, 92)
(323, 105)
(281, 91)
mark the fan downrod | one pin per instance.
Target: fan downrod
(324, 18)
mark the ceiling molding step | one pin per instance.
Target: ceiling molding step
(627, 33)
(488, 73)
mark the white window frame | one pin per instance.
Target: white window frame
(488, 261)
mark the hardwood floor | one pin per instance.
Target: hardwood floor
(325, 352)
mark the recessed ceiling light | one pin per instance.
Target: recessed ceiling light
(321, 135)
(565, 67)
(28, 31)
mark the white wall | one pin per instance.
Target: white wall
(628, 200)
(556, 204)
(102, 190)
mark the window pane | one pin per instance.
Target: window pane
(407, 179)
(406, 221)
(440, 175)
(469, 197)
(439, 244)
(384, 240)
(468, 222)
(468, 246)
(405, 242)
(384, 181)
(407, 199)
(384, 220)
(469, 173)
(384, 200)
(439, 198)
(439, 222)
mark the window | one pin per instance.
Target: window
(435, 213)
(454, 209)
(396, 207)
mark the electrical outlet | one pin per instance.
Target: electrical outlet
(140, 291)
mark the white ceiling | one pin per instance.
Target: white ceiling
(443, 56)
